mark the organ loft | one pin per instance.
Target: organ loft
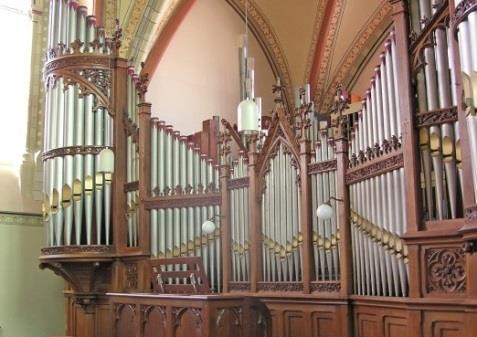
(255, 168)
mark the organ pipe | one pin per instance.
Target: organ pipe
(377, 203)
(74, 190)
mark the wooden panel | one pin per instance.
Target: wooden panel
(84, 323)
(229, 322)
(323, 325)
(295, 324)
(277, 323)
(443, 324)
(154, 321)
(187, 322)
(447, 329)
(395, 326)
(126, 321)
(367, 326)
(103, 321)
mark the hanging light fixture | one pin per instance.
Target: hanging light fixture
(248, 111)
(325, 211)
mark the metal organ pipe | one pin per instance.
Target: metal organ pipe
(178, 168)
(468, 57)
(438, 142)
(72, 119)
(376, 203)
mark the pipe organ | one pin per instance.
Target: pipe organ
(77, 200)
(466, 28)
(179, 169)
(330, 223)
(281, 228)
(439, 143)
(239, 219)
(326, 234)
(377, 203)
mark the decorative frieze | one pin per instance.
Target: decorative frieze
(280, 286)
(436, 117)
(324, 166)
(326, 287)
(238, 183)
(74, 150)
(375, 168)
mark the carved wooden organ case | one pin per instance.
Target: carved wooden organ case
(400, 175)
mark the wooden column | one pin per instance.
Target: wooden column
(225, 227)
(119, 105)
(255, 220)
(144, 175)
(469, 230)
(409, 140)
(305, 213)
(342, 207)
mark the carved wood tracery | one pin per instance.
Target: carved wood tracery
(446, 272)
(92, 74)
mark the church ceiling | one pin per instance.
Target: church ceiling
(316, 41)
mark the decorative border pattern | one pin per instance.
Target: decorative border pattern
(327, 51)
(237, 183)
(436, 117)
(280, 286)
(328, 287)
(373, 169)
(184, 200)
(324, 166)
(132, 25)
(20, 219)
(67, 250)
(74, 150)
(320, 15)
(239, 286)
(463, 10)
(378, 21)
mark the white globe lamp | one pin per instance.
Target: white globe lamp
(324, 211)
(208, 227)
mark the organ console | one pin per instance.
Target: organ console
(395, 257)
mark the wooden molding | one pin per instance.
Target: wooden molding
(375, 167)
(184, 200)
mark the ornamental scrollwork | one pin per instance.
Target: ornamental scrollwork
(374, 169)
(131, 276)
(445, 270)
(239, 286)
(328, 287)
(280, 286)
(436, 117)
(462, 10)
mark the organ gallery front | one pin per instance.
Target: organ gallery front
(348, 222)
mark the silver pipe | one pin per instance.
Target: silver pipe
(154, 164)
(68, 164)
(59, 161)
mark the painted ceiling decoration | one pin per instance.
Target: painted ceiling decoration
(320, 68)
(323, 23)
(320, 16)
(359, 49)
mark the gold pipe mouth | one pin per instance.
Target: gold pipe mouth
(88, 185)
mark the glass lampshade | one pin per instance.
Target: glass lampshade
(324, 211)
(248, 116)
